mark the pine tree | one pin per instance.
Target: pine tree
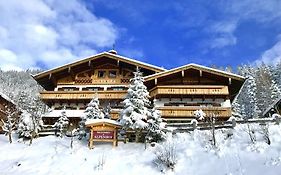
(135, 112)
(92, 112)
(155, 126)
(251, 107)
(62, 123)
(275, 91)
(248, 95)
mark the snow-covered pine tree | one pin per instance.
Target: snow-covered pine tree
(251, 107)
(248, 96)
(62, 123)
(135, 112)
(155, 126)
(91, 112)
(275, 91)
(29, 126)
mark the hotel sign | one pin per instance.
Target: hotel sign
(103, 135)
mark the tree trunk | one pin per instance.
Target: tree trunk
(10, 136)
(31, 138)
(137, 137)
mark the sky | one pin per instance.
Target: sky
(167, 33)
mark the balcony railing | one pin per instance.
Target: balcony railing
(76, 95)
(188, 111)
(189, 90)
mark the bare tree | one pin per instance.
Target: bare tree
(10, 124)
(265, 133)
(251, 133)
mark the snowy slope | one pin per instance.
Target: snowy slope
(234, 155)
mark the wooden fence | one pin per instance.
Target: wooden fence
(187, 127)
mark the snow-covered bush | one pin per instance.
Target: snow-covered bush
(199, 114)
(61, 123)
(166, 156)
(29, 126)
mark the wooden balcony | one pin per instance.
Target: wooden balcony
(189, 90)
(82, 95)
(188, 111)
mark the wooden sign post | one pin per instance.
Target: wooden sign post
(103, 130)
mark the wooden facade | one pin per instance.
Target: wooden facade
(178, 92)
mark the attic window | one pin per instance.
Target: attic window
(101, 74)
(112, 74)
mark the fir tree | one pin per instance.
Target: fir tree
(62, 123)
(92, 112)
(155, 126)
(135, 112)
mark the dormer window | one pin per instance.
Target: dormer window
(101, 74)
(112, 74)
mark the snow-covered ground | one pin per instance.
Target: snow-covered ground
(195, 155)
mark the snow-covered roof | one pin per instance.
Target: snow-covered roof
(69, 113)
(272, 106)
(83, 60)
(193, 65)
(96, 121)
(7, 98)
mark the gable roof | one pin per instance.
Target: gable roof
(97, 122)
(7, 98)
(198, 67)
(275, 103)
(91, 58)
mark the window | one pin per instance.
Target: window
(117, 88)
(112, 74)
(101, 74)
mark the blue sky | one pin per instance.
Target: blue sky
(166, 33)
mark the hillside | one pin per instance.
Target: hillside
(234, 154)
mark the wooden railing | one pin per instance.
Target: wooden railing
(188, 111)
(69, 95)
(189, 90)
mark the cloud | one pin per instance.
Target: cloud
(50, 32)
(258, 10)
(272, 55)
(223, 34)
